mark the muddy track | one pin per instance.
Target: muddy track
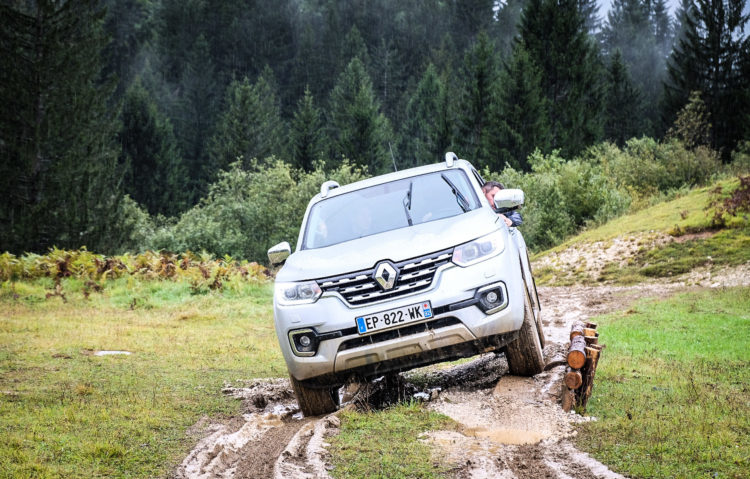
(510, 427)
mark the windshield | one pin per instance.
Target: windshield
(397, 204)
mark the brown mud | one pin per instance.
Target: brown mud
(510, 427)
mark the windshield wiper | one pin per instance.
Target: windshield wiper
(407, 204)
(460, 198)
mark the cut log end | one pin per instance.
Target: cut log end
(576, 329)
(577, 352)
(573, 379)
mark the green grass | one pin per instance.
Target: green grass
(728, 247)
(67, 413)
(384, 444)
(672, 391)
(681, 216)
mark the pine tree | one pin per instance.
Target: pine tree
(663, 28)
(251, 127)
(130, 26)
(590, 12)
(712, 57)
(624, 103)
(353, 46)
(478, 93)
(196, 111)
(521, 113)
(306, 135)
(632, 27)
(507, 24)
(59, 178)
(427, 130)
(154, 172)
(554, 35)
(693, 124)
(358, 130)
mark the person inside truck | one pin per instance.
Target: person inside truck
(511, 217)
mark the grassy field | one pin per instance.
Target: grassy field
(385, 444)
(65, 412)
(672, 392)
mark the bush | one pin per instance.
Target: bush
(648, 167)
(741, 159)
(246, 212)
(562, 197)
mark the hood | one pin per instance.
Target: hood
(396, 245)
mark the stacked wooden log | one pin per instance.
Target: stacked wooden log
(583, 357)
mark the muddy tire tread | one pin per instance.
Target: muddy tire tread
(524, 355)
(314, 402)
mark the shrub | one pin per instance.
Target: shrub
(562, 197)
(741, 158)
(246, 212)
(648, 167)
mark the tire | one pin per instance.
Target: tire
(525, 357)
(534, 299)
(315, 402)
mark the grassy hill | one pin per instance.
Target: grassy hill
(665, 240)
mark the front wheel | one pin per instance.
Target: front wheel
(524, 355)
(315, 402)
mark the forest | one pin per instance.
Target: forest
(207, 125)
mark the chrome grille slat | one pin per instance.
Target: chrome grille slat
(359, 288)
(426, 262)
(416, 274)
(400, 289)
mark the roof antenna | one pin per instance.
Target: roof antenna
(392, 157)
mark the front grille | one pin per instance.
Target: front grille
(360, 288)
(398, 333)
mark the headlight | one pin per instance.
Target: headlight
(478, 250)
(297, 293)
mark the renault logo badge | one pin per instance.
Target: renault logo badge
(385, 275)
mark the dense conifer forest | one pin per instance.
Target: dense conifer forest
(208, 124)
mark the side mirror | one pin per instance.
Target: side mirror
(509, 198)
(279, 253)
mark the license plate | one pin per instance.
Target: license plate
(393, 318)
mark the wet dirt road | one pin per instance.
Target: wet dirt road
(511, 427)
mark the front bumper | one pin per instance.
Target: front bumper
(459, 328)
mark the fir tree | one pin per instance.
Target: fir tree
(427, 129)
(554, 34)
(693, 125)
(640, 31)
(358, 130)
(712, 56)
(251, 127)
(154, 172)
(521, 114)
(590, 12)
(195, 116)
(478, 93)
(624, 103)
(353, 47)
(306, 135)
(59, 178)
(507, 24)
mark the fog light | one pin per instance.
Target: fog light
(304, 342)
(491, 298)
